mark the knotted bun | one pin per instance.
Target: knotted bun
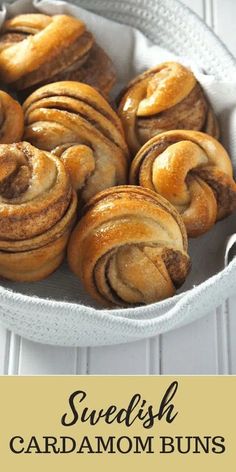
(130, 247)
(193, 171)
(37, 210)
(74, 122)
(163, 98)
(36, 49)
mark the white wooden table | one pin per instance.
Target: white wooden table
(207, 346)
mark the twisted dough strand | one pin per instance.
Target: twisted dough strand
(130, 247)
(193, 171)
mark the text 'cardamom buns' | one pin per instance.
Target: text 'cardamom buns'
(193, 171)
(129, 248)
(74, 122)
(37, 210)
(36, 49)
(164, 98)
(11, 119)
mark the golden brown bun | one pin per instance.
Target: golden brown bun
(163, 98)
(74, 122)
(11, 119)
(38, 49)
(130, 247)
(193, 171)
(37, 210)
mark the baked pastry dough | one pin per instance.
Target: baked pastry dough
(164, 98)
(37, 210)
(11, 119)
(38, 49)
(130, 247)
(78, 125)
(193, 171)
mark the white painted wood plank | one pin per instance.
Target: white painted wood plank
(223, 339)
(14, 353)
(4, 350)
(191, 349)
(231, 311)
(155, 355)
(39, 359)
(132, 358)
(82, 360)
(224, 22)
